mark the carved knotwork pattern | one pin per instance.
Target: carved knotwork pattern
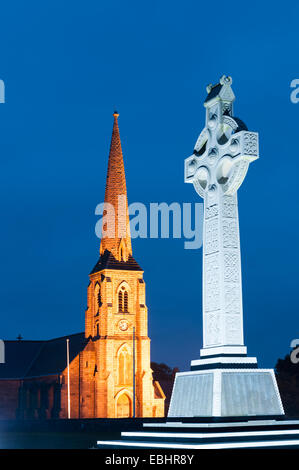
(212, 211)
(211, 283)
(231, 266)
(229, 210)
(233, 329)
(222, 264)
(213, 329)
(229, 207)
(250, 143)
(211, 236)
(230, 233)
(232, 298)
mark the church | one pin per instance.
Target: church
(109, 373)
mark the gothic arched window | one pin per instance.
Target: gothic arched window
(97, 297)
(120, 301)
(123, 300)
(125, 366)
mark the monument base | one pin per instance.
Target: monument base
(225, 392)
(209, 433)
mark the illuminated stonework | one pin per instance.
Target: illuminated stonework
(224, 381)
(217, 168)
(122, 307)
(100, 359)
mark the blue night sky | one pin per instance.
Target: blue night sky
(66, 66)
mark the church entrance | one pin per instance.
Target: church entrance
(124, 408)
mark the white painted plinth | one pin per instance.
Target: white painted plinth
(225, 392)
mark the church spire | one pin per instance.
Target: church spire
(116, 236)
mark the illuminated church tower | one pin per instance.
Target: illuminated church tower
(91, 374)
(116, 307)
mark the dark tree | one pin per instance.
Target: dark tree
(287, 374)
(162, 371)
(165, 376)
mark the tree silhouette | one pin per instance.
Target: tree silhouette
(287, 374)
(165, 375)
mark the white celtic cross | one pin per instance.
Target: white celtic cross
(217, 168)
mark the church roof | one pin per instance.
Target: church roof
(25, 359)
(107, 261)
(117, 221)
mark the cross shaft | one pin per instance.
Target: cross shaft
(217, 168)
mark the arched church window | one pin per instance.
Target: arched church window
(120, 301)
(125, 367)
(97, 298)
(123, 300)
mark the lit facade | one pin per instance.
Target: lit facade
(116, 333)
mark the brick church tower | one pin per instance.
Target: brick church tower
(117, 308)
(34, 379)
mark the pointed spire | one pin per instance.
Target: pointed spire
(116, 236)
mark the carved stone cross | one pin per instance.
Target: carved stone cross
(217, 168)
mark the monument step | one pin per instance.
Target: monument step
(196, 437)
(277, 443)
(225, 435)
(227, 426)
(224, 362)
